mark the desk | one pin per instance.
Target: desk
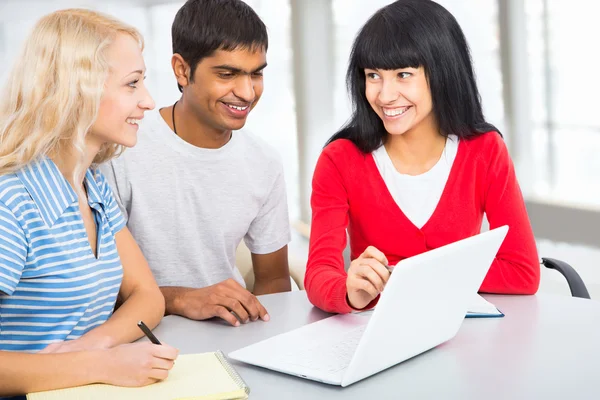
(547, 347)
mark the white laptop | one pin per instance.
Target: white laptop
(423, 305)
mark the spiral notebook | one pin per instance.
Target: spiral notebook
(206, 376)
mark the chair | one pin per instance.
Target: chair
(578, 288)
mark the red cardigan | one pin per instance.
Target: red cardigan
(349, 193)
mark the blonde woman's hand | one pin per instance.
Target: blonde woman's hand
(136, 364)
(367, 277)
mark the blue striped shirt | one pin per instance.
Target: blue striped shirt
(52, 287)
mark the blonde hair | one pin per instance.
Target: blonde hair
(53, 93)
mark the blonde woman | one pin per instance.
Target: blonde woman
(72, 101)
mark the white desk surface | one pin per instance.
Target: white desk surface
(546, 347)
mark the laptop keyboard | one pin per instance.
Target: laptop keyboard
(329, 356)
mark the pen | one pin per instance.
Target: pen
(148, 332)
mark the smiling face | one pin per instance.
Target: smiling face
(226, 87)
(125, 97)
(401, 98)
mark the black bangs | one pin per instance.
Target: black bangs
(386, 44)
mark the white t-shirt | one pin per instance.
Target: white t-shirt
(417, 196)
(189, 207)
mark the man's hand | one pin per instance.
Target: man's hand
(218, 300)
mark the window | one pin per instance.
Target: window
(562, 67)
(274, 118)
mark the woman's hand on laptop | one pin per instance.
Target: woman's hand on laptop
(367, 277)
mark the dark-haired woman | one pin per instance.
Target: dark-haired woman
(415, 168)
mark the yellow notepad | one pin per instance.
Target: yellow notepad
(206, 376)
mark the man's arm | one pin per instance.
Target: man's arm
(267, 239)
(271, 272)
(174, 299)
(141, 299)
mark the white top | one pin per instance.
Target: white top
(418, 195)
(189, 207)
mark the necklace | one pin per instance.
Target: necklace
(173, 117)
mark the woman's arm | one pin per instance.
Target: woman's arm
(140, 299)
(325, 279)
(327, 283)
(136, 364)
(140, 296)
(516, 268)
(24, 373)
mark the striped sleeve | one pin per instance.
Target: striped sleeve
(113, 212)
(13, 250)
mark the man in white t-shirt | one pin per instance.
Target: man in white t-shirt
(195, 186)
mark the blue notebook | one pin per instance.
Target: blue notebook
(481, 308)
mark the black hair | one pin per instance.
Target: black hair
(202, 27)
(414, 33)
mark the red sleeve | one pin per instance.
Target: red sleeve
(325, 279)
(516, 268)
